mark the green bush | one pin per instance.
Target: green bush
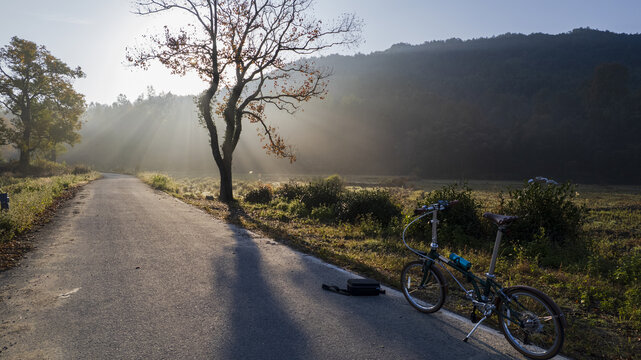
(290, 191)
(460, 223)
(324, 214)
(43, 167)
(6, 226)
(80, 169)
(547, 209)
(323, 192)
(297, 208)
(281, 205)
(369, 226)
(537, 249)
(629, 270)
(260, 195)
(160, 182)
(630, 309)
(375, 203)
(328, 201)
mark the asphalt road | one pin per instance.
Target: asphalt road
(125, 272)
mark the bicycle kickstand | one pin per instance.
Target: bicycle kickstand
(475, 327)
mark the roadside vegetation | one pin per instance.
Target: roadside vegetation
(579, 244)
(34, 193)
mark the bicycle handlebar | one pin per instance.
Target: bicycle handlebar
(423, 211)
(440, 205)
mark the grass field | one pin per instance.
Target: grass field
(596, 281)
(31, 200)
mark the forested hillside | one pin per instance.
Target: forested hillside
(513, 106)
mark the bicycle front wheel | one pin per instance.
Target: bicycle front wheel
(423, 286)
(531, 322)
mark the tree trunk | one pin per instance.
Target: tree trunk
(25, 152)
(52, 155)
(226, 194)
(25, 158)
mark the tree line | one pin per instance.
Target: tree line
(510, 107)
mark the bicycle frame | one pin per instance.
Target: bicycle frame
(482, 289)
(486, 294)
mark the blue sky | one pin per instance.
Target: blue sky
(93, 34)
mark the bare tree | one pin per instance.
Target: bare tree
(248, 52)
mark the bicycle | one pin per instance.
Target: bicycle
(530, 321)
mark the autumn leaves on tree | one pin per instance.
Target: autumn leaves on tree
(41, 108)
(248, 52)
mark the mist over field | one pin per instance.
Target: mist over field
(509, 107)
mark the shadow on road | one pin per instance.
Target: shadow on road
(342, 327)
(413, 334)
(260, 327)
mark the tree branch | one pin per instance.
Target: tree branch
(276, 144)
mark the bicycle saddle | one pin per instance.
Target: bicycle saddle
(499, 219)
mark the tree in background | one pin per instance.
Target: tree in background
(247, 48)
(62, 122)
(36, 88)
(122, 100)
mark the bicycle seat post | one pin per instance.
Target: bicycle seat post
(495, 253)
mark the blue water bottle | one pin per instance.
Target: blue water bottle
(466, 265)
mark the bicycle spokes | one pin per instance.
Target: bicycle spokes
(427, 275)
(530, 324)
(423, 287)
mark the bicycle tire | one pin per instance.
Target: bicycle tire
(428, 297)
(541, 333)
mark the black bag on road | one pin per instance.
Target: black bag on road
(358, 287)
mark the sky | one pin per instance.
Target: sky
(95, 34)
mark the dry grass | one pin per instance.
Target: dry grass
(32, 200)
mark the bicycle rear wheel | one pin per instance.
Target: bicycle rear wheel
(531, 322)
(423, 286)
